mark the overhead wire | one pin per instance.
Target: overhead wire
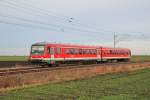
(25, 25)
(47, 13)
(34, 26)
(71, 28)
(70, 19)
(39, 22)
(29, 20)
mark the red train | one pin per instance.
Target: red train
(54, 53)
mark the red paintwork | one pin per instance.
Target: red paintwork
(63, 55)
(117, 53)
(104, 52)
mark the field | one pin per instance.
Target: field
(118, 86)
(140, 58)
(25, 58)
(13, 58)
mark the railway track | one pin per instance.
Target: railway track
(4, 72)
(12, 64)
(21, 70)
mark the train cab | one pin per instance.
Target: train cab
(38, 52)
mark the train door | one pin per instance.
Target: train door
(98, 54)
(52, 55)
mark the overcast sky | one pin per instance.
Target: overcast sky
(89, 22)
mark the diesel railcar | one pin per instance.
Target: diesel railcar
(55, 53)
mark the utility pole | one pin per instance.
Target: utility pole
(115, 36)
(118, 38)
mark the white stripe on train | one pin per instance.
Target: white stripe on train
(85, 58)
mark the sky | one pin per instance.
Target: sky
(86, 22)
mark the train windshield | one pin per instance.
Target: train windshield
(36, 50)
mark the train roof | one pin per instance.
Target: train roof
(115, 48)
(65, 44)
(40, 43)
(76, 45)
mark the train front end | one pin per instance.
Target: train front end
(38, 54)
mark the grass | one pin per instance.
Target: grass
(118, 86)
(140, 58)
(13, 58)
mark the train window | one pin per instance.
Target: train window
(51, 51)
(57, 50)
(48, 49)
(110, 51)
(94, 51)
(114, 52)
(91, 51)
(76, 51)
(71, 51)
(84, 51)
(80, 51)
(119, 52)
(105, 52)
(127, 52)
(87, 51)
(67, 51)
(37, 49)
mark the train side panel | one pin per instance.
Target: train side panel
(115, 54)
(62, 53)
(74, 53)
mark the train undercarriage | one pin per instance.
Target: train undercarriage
(77, 62)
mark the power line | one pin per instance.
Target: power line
(70, 19)
(40, 27)
(117, 37)
(45, 12)
(69, 27)
(45, 24)
(64, 17)
(29, 21)
(34, 10)
(26, 25)
(35, 26)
